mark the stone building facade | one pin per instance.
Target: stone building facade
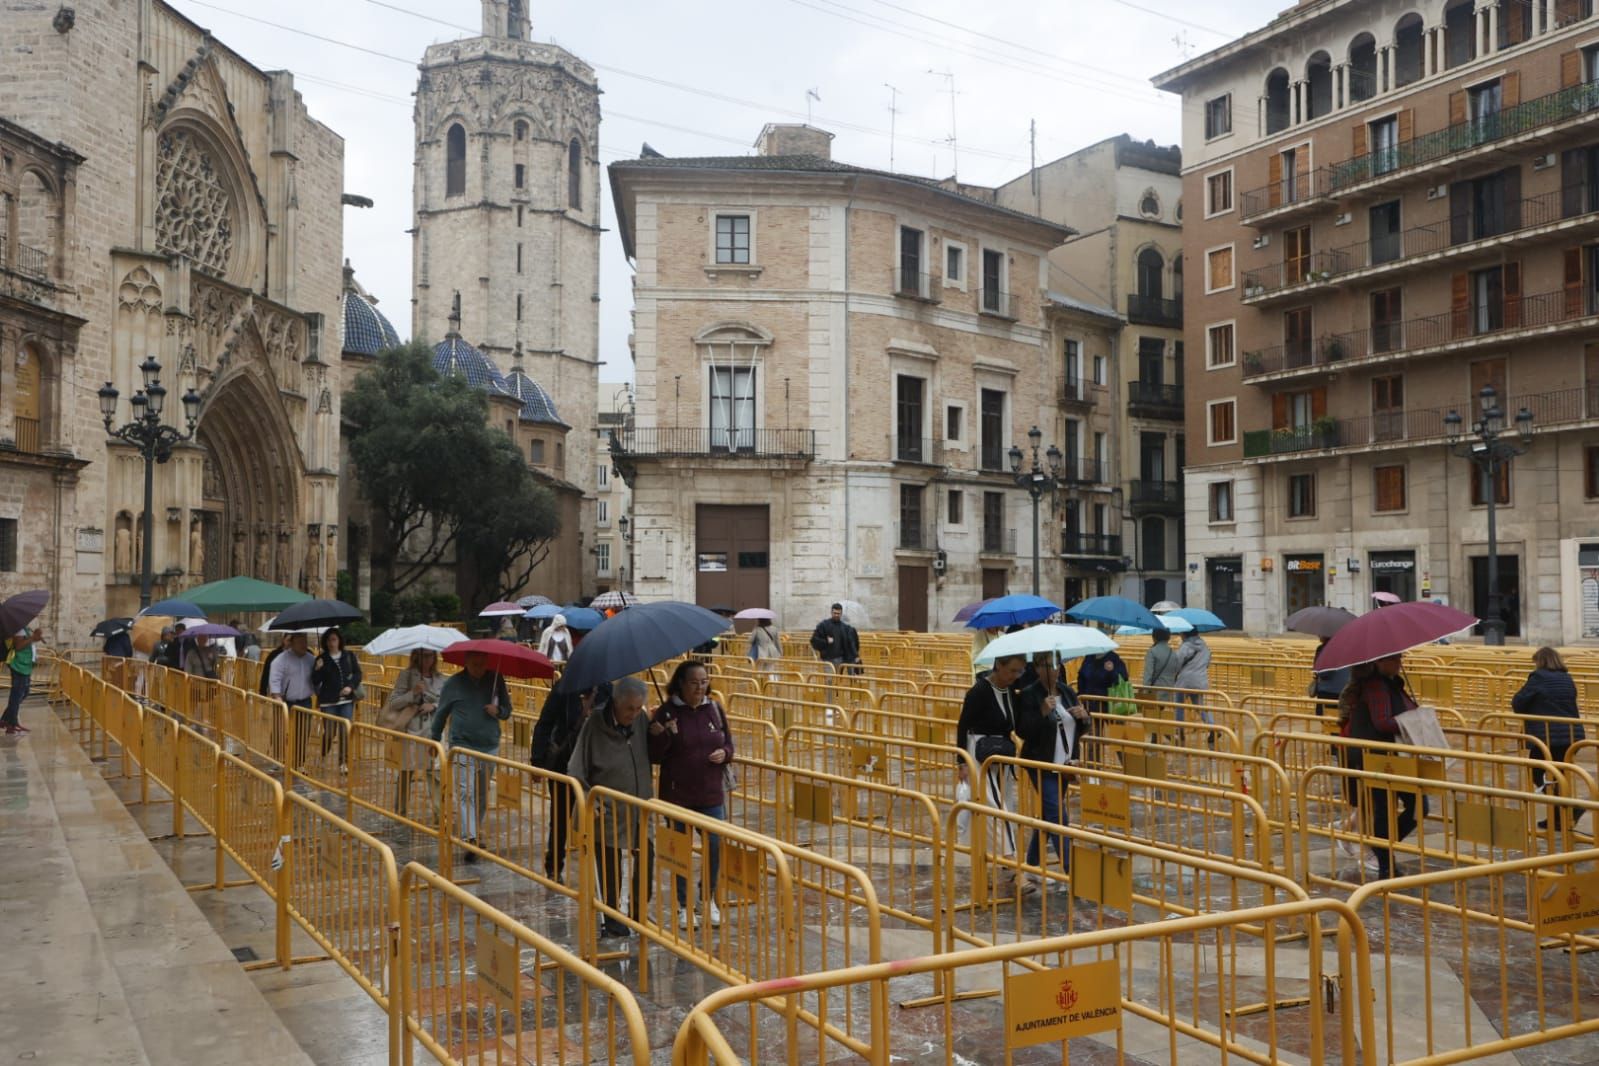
(1124, 408)
(613, 504)
(202, 227)
(506, 188)
(832, 364)
(1392, 207)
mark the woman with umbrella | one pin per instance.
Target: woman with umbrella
(763, 639)
(15, 614)
(1051, 722)
(472, 704)
(1380, 698)
(410, 708)
(336, 674)
(690, 738)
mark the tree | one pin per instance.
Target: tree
(438, 479)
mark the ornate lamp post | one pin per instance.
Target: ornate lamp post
(627, 541)
(1037, 480)
(1489, 449)
(154, 441)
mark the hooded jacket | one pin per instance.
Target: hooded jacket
(1550, 694)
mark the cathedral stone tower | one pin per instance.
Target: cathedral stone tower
(507, 188)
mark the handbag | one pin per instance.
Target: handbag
(992, 744)
(729, 775)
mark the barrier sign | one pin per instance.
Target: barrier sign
(1047, 1006)
(1483, 823)
(1568, 904)
(498, 968)
(1107, 804)
(813, 803)
(1102, 878)
(1147, 764)
(675, 852)
(742, 870)
(507, 789)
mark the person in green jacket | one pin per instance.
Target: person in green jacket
(473, 703)
(19, 661)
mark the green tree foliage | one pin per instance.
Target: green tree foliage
(440, 481)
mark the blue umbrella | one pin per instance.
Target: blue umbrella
(637, 639)
(582, 619)
(544, 610)
(1012, 610)
(174, 609)
(1202, 620)
(1115, 611)
(1169, 622)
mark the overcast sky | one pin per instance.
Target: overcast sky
(700, 77)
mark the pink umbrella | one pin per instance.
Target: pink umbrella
(1391, 631)
(1386, 597)
(502, 609)
(756, 614)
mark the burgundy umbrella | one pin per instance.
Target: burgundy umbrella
(19, 610)
(1391, 631)
(965, 613)
(512, 660)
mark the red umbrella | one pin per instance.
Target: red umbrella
(512, 660)
(502, 609)
(1391, 631)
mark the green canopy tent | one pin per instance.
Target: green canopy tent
(243, 594)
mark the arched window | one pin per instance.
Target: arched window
(1151, 266)
(1460, 33)
(1277, 107)
(27, 401)
(1362, 68)
(574, 175)
(520, 130)
(1409, 46)
(455, 161)
(1318, 73)
(1177, 277)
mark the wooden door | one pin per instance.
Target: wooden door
(732, 556)
(913, 598)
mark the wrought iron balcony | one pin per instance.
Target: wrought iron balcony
(1106, 544)
(997, 303)
(998, 540)
(1154, 311)
(915, 284)
(1292, 194)
(1156, 497)
(694, 442)
(1078, 471)
(928, 451)
(1079, 392)
(1153, 399)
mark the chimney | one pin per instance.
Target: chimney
(794, 138)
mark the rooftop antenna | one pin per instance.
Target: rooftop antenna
(949, 85)
(1184, 45)
(811, 94)
(1032, 166)
(893, 113)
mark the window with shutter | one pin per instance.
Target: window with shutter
(1572, 271)
(1223, 426)
(1479, 485)
(1512, 285)
(1387, 329)
(1219, 346)
(1296, 337)
(1488, 372)
(1302, 496)
(1590, 472)
(1296, 255)
(1388, 407)
(1388, 488)
(1219, 269)
(1487, 300)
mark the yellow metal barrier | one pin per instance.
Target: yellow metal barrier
(1157, 719)
(755, 738)
(784, 713)
(479, 987)
(931, 769)
(906, 727)
(1167, 992)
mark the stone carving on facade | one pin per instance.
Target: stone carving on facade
(210, 479)
(122, 544)
(312, 581)
(263, 554)
(196, 547)
(285, 555)
(240, 551)
(194, 209)
(138, 545)
(139, 292)
(330, 583)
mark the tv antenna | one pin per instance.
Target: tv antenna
(949, 86)
(893, 113)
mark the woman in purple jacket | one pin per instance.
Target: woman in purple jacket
(690, 738)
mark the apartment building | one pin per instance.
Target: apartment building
(1123, 529)
(832, 366)
(613, 504)
(1393, 208)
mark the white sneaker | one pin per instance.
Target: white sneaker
(682, 918)
(1345, 846)
(715, 913)
(1370, 865)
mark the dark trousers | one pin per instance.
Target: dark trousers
(346, 712)
(1557, 753)
(302, 728)
(561, 797)
(1404, 824)
(608, 855)
(20, 683)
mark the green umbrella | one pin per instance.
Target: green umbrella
(244, 594)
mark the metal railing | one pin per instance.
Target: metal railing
(27, 431)
(1289, 191)
(1154, 399)
(910, 449)
(1076, 390)
(665, 442)
(1566, 105)
(1091, 544)
(1416, 335)
(997, 540)
(913, 535)
(33, 262)
(997, 302)
(1156, 494)
(916, 284)
(1076, 470)
(1145, 310)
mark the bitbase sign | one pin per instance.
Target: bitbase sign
(1054, 1005)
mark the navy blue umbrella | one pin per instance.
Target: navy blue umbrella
(1115, 611)
(174, 609)
(637, 639)
(316, 614)
(1018, 609)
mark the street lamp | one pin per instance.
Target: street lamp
(154, 441)
(1489, 449)
(627, 540)
(1036, 480)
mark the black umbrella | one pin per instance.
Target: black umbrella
(111, 627)
(1318, 621)
(637, 639)
(316, 614)
(174, 608)
(19, 610)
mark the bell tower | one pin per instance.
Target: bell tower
(506, 188)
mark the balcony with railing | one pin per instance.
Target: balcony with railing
(1156, 497)
(1562, 212)
(27, 434)
(926, 451)
(997, 540)
(1556, 410)
(1515, 319)
(1154, 311)
(1091, 544)
(1154, 399)
(915, 285)
(1079, 392)
(1292, 195)
(696, 442)
(997, 303)
(1078, 471)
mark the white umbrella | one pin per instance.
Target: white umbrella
(410, 638)
(1166, 605)
(758, 614)
(1171, 623)
(855, 614)
(1066, 641)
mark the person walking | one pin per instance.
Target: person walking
(1549, 692)
(1051, 722)
(472, 704)
(20, 660)
(1160, 663)
(690, 738)
(1326, 687)
(763, 642)
(987, 720)
(289, 681)
(835, 640)
(200, 657)
(612, 750)
(162, 649)
(556, 644)
(1193, 676)
(410, 707)
(118, 645)
(265, 684)
(554, 737)
(171, 654)
(1381, 698)
(336, 674)
(1097, 675)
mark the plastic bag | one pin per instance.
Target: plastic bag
(963, 794)
(1121, 696)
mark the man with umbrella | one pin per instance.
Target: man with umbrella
(835, 640)
(473, 703)
(20, 658)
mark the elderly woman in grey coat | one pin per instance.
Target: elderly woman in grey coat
(409, 709)
(613, 751)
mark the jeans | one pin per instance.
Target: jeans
(471, 793)
(1404, 824)
(1054, 811)
(1198, 700)
(346, 711)
(713, 850)
(20, 683)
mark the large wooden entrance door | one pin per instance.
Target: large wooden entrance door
(732, 546)
(913, 598)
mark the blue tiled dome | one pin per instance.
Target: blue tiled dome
(367, 331)
(455, 356)
(537, 405)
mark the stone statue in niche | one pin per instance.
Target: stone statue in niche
(196, 547)
(312, 580)
(240, 551)
(122, 544)
(263, 554)
(285, 556)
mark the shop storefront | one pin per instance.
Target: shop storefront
(1304, 582)
(1393, 572)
